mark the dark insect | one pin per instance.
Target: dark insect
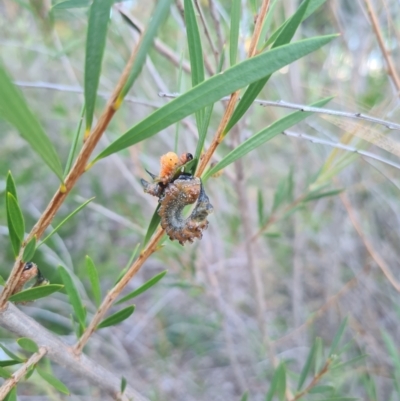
(174, 194)
(30, 272)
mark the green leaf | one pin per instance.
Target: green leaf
(27, 344)
(322, 389)
(128, 265)
(338, 336)
(284, 37)
(319, 355)
(73, 295)
(99, 16)
(392, 350)
(340, 399)
(53, 381)
(117, 317)
(307, 366)
(160, 13)
(148, 284)
(17, 220)
(31, 294)
(10, 354)
(29, 250)
(9, 363)
(78, 209)
(15, 110)
(154, 222)
(263, 136)
(234, 31)
(64, 5)
(123, 385)
(74, 145)
(352, 361)
(5, 373)
(94, 280)
(10, 185)
(278, 384)
(2, 281)
(260, 208)
(215, 88)
(12, 395)
(11, 188)
(245, 396)
(280, 194)
(313, 196)
(30, 371)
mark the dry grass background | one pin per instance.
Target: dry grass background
(203, 333)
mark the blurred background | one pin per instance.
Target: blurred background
(278, 265)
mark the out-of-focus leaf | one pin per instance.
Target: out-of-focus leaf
(128, 265)
(350, 362)
(234, 31)
(284, 37)
(245, 396)
(154, 222)
(14, 109)
(263, 136)
(29, 250)
(10, 354)
(53, 381)
(215, 88)
(319, 355)
(30, 371)
(393, 350)
(307, 366)
(78, 209)
(340, 399)
(27, 344)
(17, 220)
(2, 281)
(117, 317)
(322, 389)
(148, 284)
(31, 294)
(9, 363)
(146, 41)
(278, 384)
(94, 279)
(338, 336)
(260, 208)
(73, 295)
(123, 385)
(12, 395)
(64, 5)
(99, 16)
(314, 196)
(4, 373)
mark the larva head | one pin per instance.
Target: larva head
(30, 271)
(169, 162)
(185, 158)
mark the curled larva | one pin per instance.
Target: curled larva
(173, 197)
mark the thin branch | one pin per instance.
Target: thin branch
(21, 372)
(368, 244)
(217, 23)
(76, 171)
(339, 145)
(22, 325)
(113, 294)
(294, 106)
(375, 26)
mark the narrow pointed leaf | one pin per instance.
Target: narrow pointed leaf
(10, 185)
(214, 89)
(10, 354)
(99, 16)
(322, 389)
(78, 209)
(53, 381)
(307, 366)
(315, 196)
(123, 385)
(338, 336)
(319, 355)
(392, 350)
(284, 37)
(11, 188)
(17, 220)
(73, 295)
(9, 363)
(154, 222)
(148, 284)
(31, 294)
(2, 281)
(234, 31)
(94, 280)
(28, 345)
(15, 110)
(159, 15)
(12, 395)
(64, 5)
(117, 317)
(128, 265)
(263, 136)
(29, 250)
(245, 396)
(281, 382)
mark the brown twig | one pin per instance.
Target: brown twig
(21, 372)
(375, 26)
(17, 322)
(219, 135)
(113, 294)
(76, 171)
